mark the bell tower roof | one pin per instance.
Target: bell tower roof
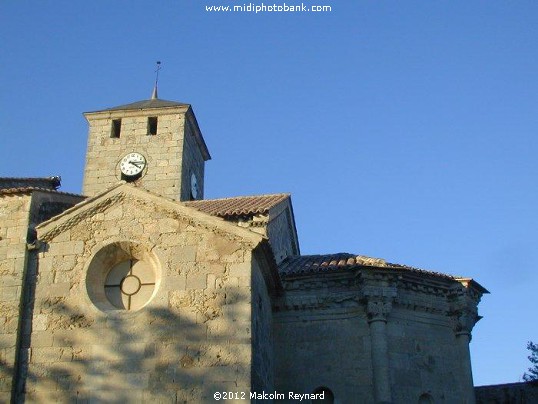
(146, 104)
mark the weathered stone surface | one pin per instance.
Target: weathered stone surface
(196, 326)
(172, 154)
(14, 224)
(507, 393)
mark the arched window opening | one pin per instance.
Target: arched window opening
(425, 398)
(122, 275)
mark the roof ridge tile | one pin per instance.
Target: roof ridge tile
(239, 205)
(309, 264)
(240, 197)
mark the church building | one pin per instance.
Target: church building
(141, 290)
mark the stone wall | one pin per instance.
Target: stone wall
(281, 232)
(424, 358)
(262, 334)
(375, 336)
(510, 393)
(328, 348)
(192, 161)
(331, 348)
(14, 222)
(19, 214)
(193, 337)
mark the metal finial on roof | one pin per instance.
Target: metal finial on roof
(154, 95)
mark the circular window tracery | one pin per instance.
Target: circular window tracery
(122, 275)
(129, 285)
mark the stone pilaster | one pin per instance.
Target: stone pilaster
(464, 316)
(377, 310)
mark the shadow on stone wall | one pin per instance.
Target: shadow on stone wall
(154, 354)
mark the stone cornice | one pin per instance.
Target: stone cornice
(378, 293)
(128, 113)
(335, 281)
(174, 214)
(249, 221)
(128, 194)
(352, 299)
(292, 302)
(365, 276)
(463, 311)
(415, 303)
(347, 300)
(100, 207)
(473, 288)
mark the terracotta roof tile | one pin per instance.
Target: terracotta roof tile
(25, 185)
(238, 206)
(50, 183)
(310, 264)
(26, 190)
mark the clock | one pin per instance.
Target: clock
(194, 186)
(132, 164)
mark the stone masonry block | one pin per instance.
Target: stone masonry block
(196, 281)
(177, 282)
(50, 354)
(168, 225)
(218, 373)
(16, 233)
(211, 281)
(224, 328)
(42, 339)
(242, 269)
(10, 293)
(119, 352)
(184, 254)
(18, 251)
(7, 341)
(40, 322)
(67, 248)
(59, 289)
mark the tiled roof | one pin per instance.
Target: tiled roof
(26, 190)
(13, 185)
(50, 183)
(238, 206)
(310, 264)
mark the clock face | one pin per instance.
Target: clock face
(132, 164)
(194, 186)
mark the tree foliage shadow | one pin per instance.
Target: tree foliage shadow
(156, 354)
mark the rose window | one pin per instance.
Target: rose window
(129, 285)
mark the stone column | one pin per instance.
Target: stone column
(464, 320)
(377, 311)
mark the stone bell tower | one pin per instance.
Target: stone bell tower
(155, 144)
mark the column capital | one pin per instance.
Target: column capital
(463, 320)
(463, 311)
(378, 309)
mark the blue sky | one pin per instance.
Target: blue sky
(405, 130)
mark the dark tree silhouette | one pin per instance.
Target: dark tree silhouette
(532, 374)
